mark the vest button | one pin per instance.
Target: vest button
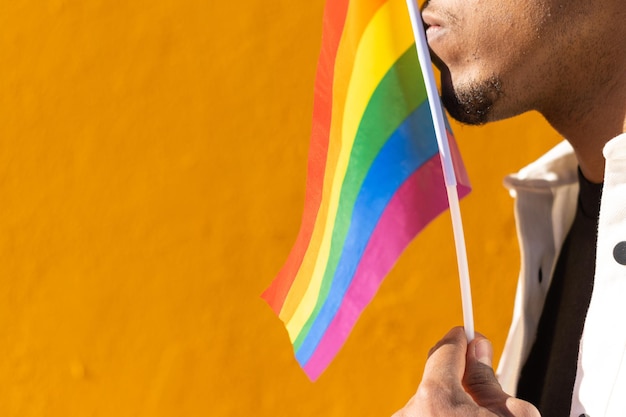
(619, 253)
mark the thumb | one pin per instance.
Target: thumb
(480, 382)
(479, 379)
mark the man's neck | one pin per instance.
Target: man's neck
(590, 126)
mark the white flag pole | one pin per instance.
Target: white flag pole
(446, 161)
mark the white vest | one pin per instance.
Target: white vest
(545, 203)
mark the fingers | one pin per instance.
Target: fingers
(479, 380)
(519, 408)
(446, 360)
(458, 381)
(481, 384)
(441, 392)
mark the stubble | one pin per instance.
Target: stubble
(473, 103)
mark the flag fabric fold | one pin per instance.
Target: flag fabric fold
(374, 176)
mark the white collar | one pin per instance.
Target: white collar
(559, 166)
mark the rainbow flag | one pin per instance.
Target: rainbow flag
(374, 178)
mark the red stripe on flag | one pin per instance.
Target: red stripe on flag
(334, 20)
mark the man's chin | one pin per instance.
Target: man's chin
(460, 113)
(470, 104)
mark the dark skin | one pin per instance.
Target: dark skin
(498, 59)
(459, 381)
(564, 59)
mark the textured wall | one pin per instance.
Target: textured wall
(152, 165)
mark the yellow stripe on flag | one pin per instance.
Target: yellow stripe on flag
(358, 16)
(386, 37)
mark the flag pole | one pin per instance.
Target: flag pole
(446, 161)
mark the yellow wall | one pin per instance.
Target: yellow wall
(152, 168)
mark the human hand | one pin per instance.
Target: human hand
(459, 381)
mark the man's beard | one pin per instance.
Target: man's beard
(471, 104)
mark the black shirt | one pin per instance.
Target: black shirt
(548, 376)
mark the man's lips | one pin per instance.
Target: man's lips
(432, 23)
(432, 31)
(434, 27)
(431, 19)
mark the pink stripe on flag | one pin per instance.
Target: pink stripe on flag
(417, 202)
(459, 169)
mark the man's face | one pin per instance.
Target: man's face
(500, 58)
